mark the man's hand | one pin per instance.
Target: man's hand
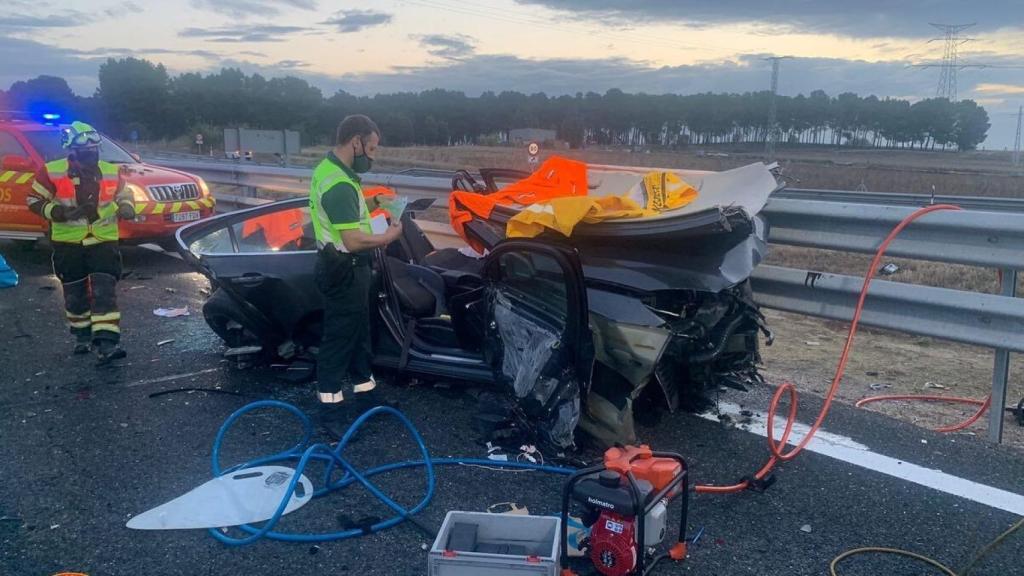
(394, 232)
(126, 211)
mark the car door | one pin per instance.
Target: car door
(537, 337)
(263, 259)
(17, 170)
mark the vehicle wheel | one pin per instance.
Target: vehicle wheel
(227, 321)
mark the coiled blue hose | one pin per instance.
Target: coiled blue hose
(303, 451)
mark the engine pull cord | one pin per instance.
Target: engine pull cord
(777, 447)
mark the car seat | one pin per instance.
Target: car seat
(420, 290)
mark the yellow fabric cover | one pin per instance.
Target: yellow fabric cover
(563, 214)
(667, 191)
(664, 191)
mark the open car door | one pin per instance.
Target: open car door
(260, 262)
(537, 337)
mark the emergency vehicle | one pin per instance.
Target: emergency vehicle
(165, 199)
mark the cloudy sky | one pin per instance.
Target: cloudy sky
(552, 46)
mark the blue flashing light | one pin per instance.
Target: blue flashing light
(51, 116)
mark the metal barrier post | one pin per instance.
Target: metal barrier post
(1001, 372)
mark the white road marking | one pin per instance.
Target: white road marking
(845, 449)
(170, 378)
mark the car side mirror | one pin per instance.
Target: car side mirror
(12, 163)
(136, 157)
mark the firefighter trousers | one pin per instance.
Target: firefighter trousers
(88, 276)
(345, 350)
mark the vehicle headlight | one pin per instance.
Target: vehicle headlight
(138, 194)
(203, 187)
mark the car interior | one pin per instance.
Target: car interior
(439, 292)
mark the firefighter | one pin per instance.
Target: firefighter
(346, 243)
(82, 197)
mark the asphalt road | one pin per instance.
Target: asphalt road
(83, 449)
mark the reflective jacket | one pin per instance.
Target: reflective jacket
(326, 175)
(56, 184)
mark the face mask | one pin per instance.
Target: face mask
(88, 158)
(361, 162)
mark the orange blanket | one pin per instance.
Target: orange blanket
(557, 177)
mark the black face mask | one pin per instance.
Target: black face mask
(361, 162)
(88, 159)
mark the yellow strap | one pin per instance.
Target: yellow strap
(82, 324)
(106, 328)
(109, 317)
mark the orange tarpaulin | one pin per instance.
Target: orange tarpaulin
(557, 177)
(279, 228)
(286, 226)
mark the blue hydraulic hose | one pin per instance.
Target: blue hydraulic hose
(303, 451)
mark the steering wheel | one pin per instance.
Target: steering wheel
(464, 181)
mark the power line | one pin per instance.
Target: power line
(773, 124)
(1016, 145)
(950, 55)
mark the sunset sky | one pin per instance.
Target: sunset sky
(552, 46)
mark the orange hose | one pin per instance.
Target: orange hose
(776, 448)
(984, 404)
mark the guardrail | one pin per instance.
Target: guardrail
(429, 183)
(989, 233)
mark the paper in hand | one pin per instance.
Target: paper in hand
(395, 206)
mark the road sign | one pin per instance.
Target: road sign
(199, 139)
(533, 149)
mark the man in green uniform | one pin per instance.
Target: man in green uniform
(346, 244)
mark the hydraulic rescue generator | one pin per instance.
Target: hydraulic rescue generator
(625, 502)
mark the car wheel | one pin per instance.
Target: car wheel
(227, 321)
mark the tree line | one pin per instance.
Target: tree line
(139, 96)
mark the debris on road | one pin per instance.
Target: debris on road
(879, 386)
(165, 342)
(806, 528)
(889, 269)
(171, 312)
(933, 385)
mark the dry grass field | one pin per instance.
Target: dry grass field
(977, 173)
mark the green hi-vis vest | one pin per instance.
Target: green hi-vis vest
(81, 231)
(326, 175)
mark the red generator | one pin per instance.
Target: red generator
(625, 502)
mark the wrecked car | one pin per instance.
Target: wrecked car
(621, 319)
